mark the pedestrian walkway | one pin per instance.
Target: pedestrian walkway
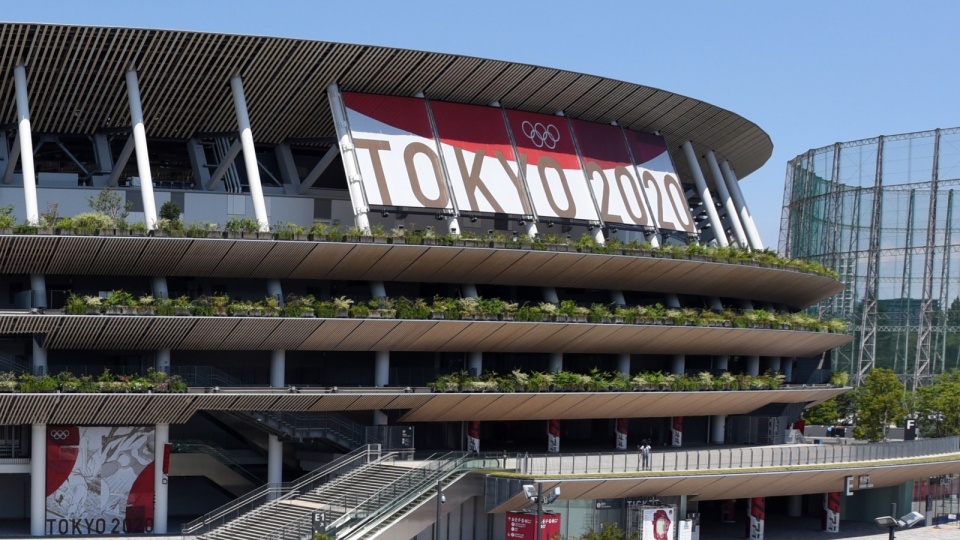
(785, 528)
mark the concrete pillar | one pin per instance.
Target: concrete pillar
(249, 153)
(775, 364)
(140, 143)
(469, 290)
(553, 436)
(278, 367)
(721, 363)
(453, 225)
(38, 288)
(381, 369)
(715, 303)
(160, 479)
(787, 366)
(274, 460)
(39, 356)
(671, 300)
(550, 295)
(623, 363)
(378, 289)
(725, 199)
(704, 193)
(616, 297)
(162, 360)
(159, 287)
(718, 428)
(556, 362)
(475, 363)
(275, 290)
(757, 513)
(38, 479)
(794, 505)
(379, 418)
(746, 219)
(753, 366)
(678, 364)
(349, 155)
(26, 146)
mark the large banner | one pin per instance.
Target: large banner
(659, 181)
(99, 480)
(481, 164)
(658, 523)
(611, 174)
(523, 526)
(551, 166)
(396, 151)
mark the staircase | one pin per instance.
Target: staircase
(330, 427)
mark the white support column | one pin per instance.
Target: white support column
(38, 479)
(671, 300)
(26, 146)
(278, 368)
(381, 369)
(140, 142)
(718, 427)
(623, 363)
(377, 289)
(38, 288)
(475, 363)
(275, 290)
(715, 303)
(529, 228)
(350, 165)
(469, 290)
(162, 360)
(616, 297)
(725, 199)
(160, 489)
(721, 362)
(787, 369)
(750, 228)
(39, 361)
(753, 366)
(556, 362)
(159, 287)
(704, 193)
(249, 153)
(775, 364)
(453, 225)
(274, 460)
(550, 295)
(678, 364)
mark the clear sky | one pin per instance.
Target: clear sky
(809, 73)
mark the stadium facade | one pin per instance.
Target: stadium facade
(880, 212)
(538, 188)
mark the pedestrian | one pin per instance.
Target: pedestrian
(645, 455)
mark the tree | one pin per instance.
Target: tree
(938, 406)
(112, 204)
(880, 403)
(823, 414)
(170, 210)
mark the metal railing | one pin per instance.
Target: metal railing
(304, 426)
(217, 454)
(274, 492)
(734, 458)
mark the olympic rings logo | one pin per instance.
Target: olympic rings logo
(541, 135)
(59, 434)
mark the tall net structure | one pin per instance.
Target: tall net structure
(881, 212)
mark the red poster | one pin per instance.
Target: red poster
(523, 526)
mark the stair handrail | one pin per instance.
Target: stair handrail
(328, 421)
(215, 453)
(269, 492)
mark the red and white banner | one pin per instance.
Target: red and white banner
(621, 428)
(480, 160)
(611, 174)
(831, 512)
(758, 514)
(676, 431)
(523, 526)
(553, 436)
(659, 180)
(551, 166)
(473, 436)
(396, 151)
(100, 480)
(658, 523)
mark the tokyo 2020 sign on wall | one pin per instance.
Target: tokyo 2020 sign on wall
(99, 480)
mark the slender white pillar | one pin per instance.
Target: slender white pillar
(550, 295)
(475, 362)
(275, 290)
(26, 146)
(349, 156)
(704, 193)
(469, 290)
(39, 356)
(721, 362)
(159, 287)
(745, 218)
(160, 489)
(678, 364)
(140, 143)
(598, 237)
(249, 153)
(718, 427)
(753, 366)
(274, 460)
(38, 291)
(556, 362)
(278, 368)
(377, 289)
(529, 228)
(453, 226)
(623, 363)
(162, 360)
(775, 364)
(715, 303)
(38, 479)
(381, 370)
(725, 199)
(617, 298)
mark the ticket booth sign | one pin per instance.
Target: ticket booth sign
(523, 526)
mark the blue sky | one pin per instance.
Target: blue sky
(809, 73)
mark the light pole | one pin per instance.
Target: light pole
(441, 498)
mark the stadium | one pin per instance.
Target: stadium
(263, 287)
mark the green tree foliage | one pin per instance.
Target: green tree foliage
(880, 403)
(823, 414)
(111, 203)
(938, 406)
(170, 210)
(609, 531)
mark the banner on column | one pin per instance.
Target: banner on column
(473, 436)
(621, 428)
(676, 431)
(757, 517)
(100, 480)
(831, 512)
(523, 526)
(658, 523)
(553, 436)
